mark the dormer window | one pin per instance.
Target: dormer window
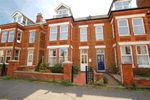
(62, 12)
(122, 5)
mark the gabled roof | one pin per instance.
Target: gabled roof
(61, 6)
(18, 12)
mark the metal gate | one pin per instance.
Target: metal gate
(72, 74)
(89, 74)
(3, 70)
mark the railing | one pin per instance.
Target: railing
(59, 16)
(89, 74)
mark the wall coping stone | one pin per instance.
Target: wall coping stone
(13, 61)
(38, 73)
(69, 62)
(126, 63)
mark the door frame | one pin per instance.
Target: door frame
(28, 57)
(81, 57)
(104, 62)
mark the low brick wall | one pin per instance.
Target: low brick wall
(0, 70)
(26, 68)
(98, 78)
(38, 75)
(143, 82)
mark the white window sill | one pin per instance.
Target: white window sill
(3, 42)
(124, 35)
(83, 41)
(63, 39)
(31, 42)
(52, 40)
(143, 66)
(18, 41)
(6, 63)
(140, 34)
(99, 40)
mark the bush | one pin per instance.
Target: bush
(135, 86)
(105, 80)
(54, 81)
(76, 68)
(57, 68)
(43, 66)
(1, 65)
(63, 83)
(144, 72)
(90, 82)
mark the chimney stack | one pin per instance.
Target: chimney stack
(39, 18)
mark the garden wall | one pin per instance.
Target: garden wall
(38, 75)
(0, 70)
(98, 77)
(143, 83)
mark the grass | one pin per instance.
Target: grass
(7, 78)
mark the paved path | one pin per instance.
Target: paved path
(111, 81)
(80, 79)
(16, 90)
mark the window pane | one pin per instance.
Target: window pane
(17, 53)
(83, 31)
(137, 21)
(63, 52)
(19, 19)
(4, 33)
(52, 61)
(99, 30)
(126, 59)
(63, 28)
(7, 59)
(118, 4)
(122, 23)
(123, 31)
(8, 53)
(100, 51)
(1, 59)
(32, 34)
(126, 7)
(30, 52)
(126, 2)
(141, 50)
(84, 51)
(4, 39)
(83, 37)
(62, 59)
(1, 53)
(125, 50)
(99, 36)
(64, 35)
(52, 52)
(16, 58)
(31, 40)
(139, 30)
(143, 60)
(15, 19)
(118, 8)
(65, 11)
(85, 58)
(53, 37)
(30, 58)
(53, 29)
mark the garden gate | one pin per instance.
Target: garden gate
(89, 74)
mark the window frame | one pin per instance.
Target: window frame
(122, 6)
(53, 33)
(62, 56)
(11, 36)
(138, 25)
(126, 54)
(63, 32)
(32, 37)
(113, 30)
(7, 56)
(18, 54)
(52, 56)
(2, 56)
(147, 54)
(19, 41)
(123, 27)
(83, 34)
(4, 36)
(62, 11)
(99, 33)
(116, 60)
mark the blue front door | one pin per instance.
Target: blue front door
(100, 62)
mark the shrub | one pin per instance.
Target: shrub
(105, 80)
(142, 72)
(1, 65)
(43, 66)
(135, 86)
(90, 82)
(57, 68)
(76, 68)
(54, 81)
(64, 83)
(31, 80)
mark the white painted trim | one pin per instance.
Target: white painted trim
(71, 47)
(134, 43)
(58, 24)
(130, 16)
(83, 47)
(62, 5)
(6, 47)
(101, 46)
(112, 21)
(83, 26)
(30, 48)
(114, 45)
(20, 30)
(32, 30)
(71, 25)
(101, 24)
(8, 29)
(57, 46)
(18, 48)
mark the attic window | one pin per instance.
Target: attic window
(62, 12)
(122, 5)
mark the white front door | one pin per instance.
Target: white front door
(30, 57)
(84, 61)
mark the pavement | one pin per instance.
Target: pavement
(19, 90)
(81, 78)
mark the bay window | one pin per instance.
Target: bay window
(11, 36)
(126, 54)
(4, 37)
(83, 34)
(63, 55)
(63, 32)
(52, 57)
(138, 26)
(19, 35)
(99, 33)
(17, 55)
(142, 55)
(8, 55)
(53, 33)
(123, 27)
(1, 56)
(32, 35)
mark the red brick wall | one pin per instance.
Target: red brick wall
(0, 70)
(143, 82)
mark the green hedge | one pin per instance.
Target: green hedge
(1, 65)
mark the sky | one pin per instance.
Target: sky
(30, 8)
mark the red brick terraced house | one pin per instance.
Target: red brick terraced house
(123, 35)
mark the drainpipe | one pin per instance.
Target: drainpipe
(121, 72)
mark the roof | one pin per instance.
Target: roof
(90, 17)
(22, 15)
(61, 6)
